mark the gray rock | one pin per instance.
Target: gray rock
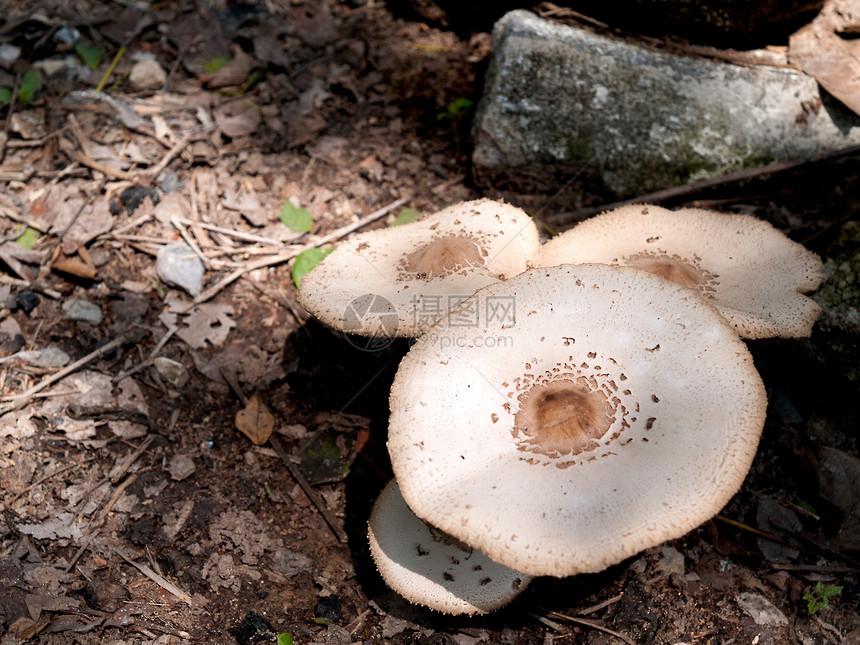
(642, 119)
(82, 310)
(176, 264)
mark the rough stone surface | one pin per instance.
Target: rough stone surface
(641, 118)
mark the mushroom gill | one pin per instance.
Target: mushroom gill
(443, 256)
(562, 417)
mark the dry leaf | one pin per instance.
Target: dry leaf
(255, 421)
(14, 255)
(233, 73)
(237, 118)
(819, 50)
(81, 266)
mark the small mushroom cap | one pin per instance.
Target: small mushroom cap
(750, 271)
(618, 412)
(428, 567)
(399, 281)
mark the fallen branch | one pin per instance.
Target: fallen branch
(22, 399)
(584, 622)
(152, 355)
(292, 466)
(289, 255)
(687, 189)
(245, 237)
(161, 581)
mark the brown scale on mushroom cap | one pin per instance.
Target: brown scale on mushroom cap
(444, 256)
(750, 271)
(670, 408)
(562, 417)
(674, 268)
(401, 280)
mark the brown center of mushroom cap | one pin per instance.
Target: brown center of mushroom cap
(674, 268)
(444, 255)
(562, 417)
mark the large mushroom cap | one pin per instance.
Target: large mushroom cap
(400, 281)
(430, 568)
(619, 411)
(748, 269)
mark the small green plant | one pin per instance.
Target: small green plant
(307, 260)
(285, 638)
(454, 116)
(406, 216)
(819, 598)
(90, 54)
(455, 111)
(295, 218)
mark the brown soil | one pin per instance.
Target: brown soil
(133, 509)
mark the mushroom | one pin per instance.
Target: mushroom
(431, 568)
(618, 412)
(400, 281)
(749, 270)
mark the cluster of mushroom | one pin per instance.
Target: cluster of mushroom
(602, 400)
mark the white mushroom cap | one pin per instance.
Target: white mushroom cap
(618, 412)
(428, 567)
(748, 269)
(399, 281)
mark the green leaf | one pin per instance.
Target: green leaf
(5, 95)
(214, 64)
(405, 216)
(295, 218)
(307, 260)
(28, 238)
(90, 54)
(285, 639)
(29, 84)
(460, 105)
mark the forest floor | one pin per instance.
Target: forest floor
(135, 511)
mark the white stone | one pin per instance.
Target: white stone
(147, 74)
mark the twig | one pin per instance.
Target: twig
(755, 531)
(308, 489)
(22, 399)
(245, 237)
(42, 480)
(177, 149)
(813, 568)
(152, 355)
(191, 243)
(286, 257)
(294, 469)
(85, 160)
(682, 191)
(588, 623)
(601, 605)
(119, 54)
(97, 525)
(161, 581)
(134, 456)
(7, 128)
